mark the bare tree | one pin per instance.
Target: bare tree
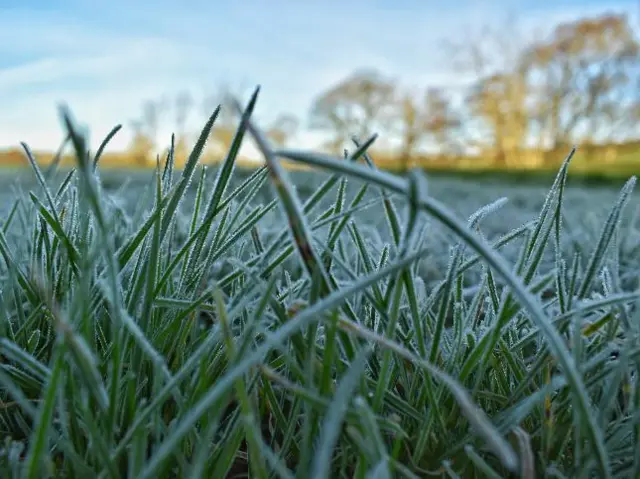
(500, 101)
(443, 121)
(146, 131)
(151, 112)
(497, 103)
(183, 105)
(411, 125)
(584, 73)
(358, 105)
(142, 145)
(228, 119)
(283, 128)
(429, 117)
(225, 126)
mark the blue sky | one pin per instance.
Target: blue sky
(104, 59)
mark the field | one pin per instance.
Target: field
(345, 323)
(585, 209)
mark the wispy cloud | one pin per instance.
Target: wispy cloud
(105, 59)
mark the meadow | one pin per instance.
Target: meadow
(338, 322)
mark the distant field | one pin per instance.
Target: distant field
(585, 207)
(464, 195)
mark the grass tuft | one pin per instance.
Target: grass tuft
(346, 325)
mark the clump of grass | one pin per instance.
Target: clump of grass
(313, 351)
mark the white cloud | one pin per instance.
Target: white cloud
(46, 70)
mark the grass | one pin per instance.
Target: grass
(289, 338)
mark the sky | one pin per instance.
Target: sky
(104, 59)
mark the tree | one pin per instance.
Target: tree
(225, 125)
(584, 74)
(411, 126)
(496, 101)
(442, 121)
(500, 101)
(227, 122)
(358, 105)
(283, 128)
(141, 146)
(145, 131)
(183, 104)
(423, 118)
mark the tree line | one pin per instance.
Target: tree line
(525, 101)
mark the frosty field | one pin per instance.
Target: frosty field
(349, 323)
(584, 211)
